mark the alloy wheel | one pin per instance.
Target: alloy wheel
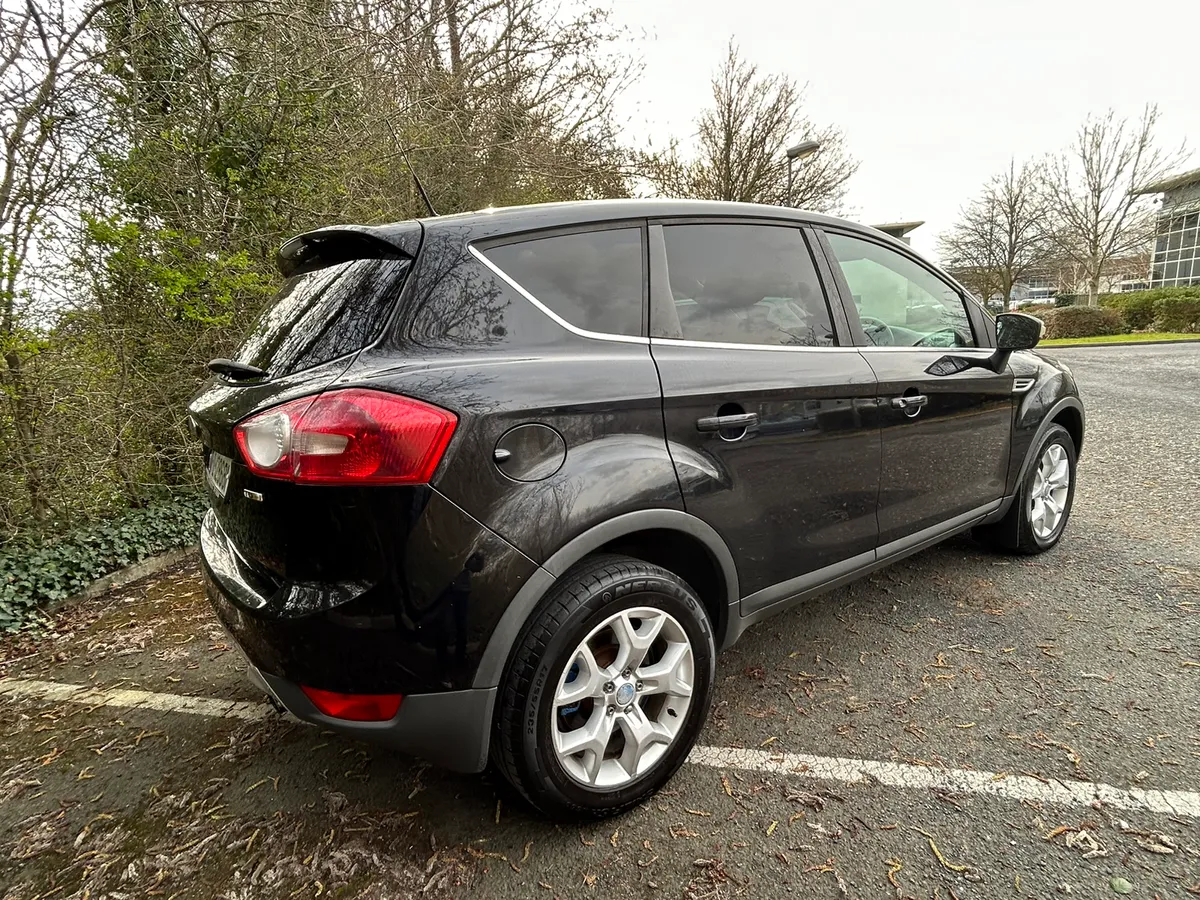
(1048, 497)
(623, 697)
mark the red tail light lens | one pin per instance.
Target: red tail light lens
(354, 707)
(351, 436)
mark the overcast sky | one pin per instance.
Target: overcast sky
(933, 95)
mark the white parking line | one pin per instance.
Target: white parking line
(963, 781)
(823, 768)
(78, 693)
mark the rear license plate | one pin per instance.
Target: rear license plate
(216, 473)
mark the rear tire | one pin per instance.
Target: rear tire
(581, 677)
(1039, 513)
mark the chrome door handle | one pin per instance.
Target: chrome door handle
(719, 423)
(910, 403)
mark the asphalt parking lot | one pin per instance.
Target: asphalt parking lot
(960, 725)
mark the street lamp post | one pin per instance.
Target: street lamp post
(800, 151)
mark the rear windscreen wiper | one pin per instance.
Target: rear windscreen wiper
(236, 370)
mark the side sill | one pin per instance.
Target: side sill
(769, 601)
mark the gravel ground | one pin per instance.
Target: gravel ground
(1078, 666)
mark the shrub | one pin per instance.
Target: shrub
(1081, 321)
(33, 573)
(1140, 308)
(1177, 313)
(1137, 307)
(1063, 300)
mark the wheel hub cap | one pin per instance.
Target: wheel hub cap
(1051, 486)
(622, 698)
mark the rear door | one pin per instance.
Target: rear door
(945, 437)
(767, 410)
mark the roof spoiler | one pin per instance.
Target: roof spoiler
(341, 243)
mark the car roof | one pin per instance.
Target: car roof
(505, 220)
(514, 219)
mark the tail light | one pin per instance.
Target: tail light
(351, 436)
(354, 707)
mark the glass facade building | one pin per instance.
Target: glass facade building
(1176, 260)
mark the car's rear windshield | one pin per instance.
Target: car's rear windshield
(323, 314)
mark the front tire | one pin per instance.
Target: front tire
(607, 690)
(1039, 513)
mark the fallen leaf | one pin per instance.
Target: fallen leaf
(894, 866)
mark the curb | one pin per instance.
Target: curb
(1123, 344)
(122, 577)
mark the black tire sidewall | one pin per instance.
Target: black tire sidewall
(648, 588)
(1056, 435)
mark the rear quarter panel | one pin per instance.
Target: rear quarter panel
(467, 341)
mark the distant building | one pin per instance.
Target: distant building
(900, 230)
(1066, 278)
(1176, 260)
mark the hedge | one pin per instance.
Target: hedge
(1137, 307)
(1164, 309)
(1177, 313)
(34, 573)
(1081, 321)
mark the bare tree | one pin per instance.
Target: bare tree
(154, 153)
(48, 127)
(742, 139)
(1096, 216)
(1001, 235)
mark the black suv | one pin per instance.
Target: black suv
(502, 484)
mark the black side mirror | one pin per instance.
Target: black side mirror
(1018, 331)
(1014, 331)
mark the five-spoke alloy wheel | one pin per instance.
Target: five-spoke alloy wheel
(1039, 513)
(607, 690)
(623, 697)
(1049, 491)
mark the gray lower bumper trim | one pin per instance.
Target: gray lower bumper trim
(451, 729)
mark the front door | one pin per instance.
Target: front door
(767, 410)
(946, 438)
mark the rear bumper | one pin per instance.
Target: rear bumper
(420, 627)
(450, 729)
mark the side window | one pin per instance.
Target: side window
(593, 280)
(900, 303)
(746, 284)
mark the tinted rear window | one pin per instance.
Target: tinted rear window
(325, 314)
(593, 280)
(746, 284)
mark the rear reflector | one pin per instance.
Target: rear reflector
(354, 707)
(351, 436)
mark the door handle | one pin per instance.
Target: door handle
(910, 403)
(720, 423)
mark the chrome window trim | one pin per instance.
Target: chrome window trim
(727, 345)
(574, 329)
(680, 342)
(981, 352)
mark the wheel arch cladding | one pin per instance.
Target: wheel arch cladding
(1071, 418)
(652, 535)
(1065, 411)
